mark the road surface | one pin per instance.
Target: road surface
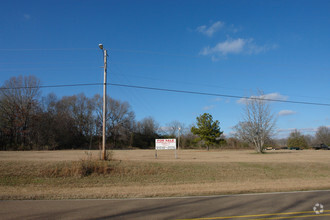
(293, 205)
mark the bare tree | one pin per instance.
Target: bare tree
(120, 119)
(45, 123)
(172, 128)
(258, 124)
(323, 135)
(82, 110)
(148, 126)
(146, 131)
(18, 102)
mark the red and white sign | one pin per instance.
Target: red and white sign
(165, 144)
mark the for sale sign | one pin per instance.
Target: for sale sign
(165, 144)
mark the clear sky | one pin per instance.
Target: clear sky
(224, 47)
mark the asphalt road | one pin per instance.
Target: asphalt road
(294, 205)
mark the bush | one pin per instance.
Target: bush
(297, 142)
(81, 168)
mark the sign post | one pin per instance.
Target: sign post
(165, 144)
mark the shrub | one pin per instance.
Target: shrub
(81, 168)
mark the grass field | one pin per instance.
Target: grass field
(136, 173)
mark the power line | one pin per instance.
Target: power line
(216, 86)
(46, 68)
(155, 53)
(119, 50)
(218, 95)
(170, 90)
(45, 49)
(133, 97)
(52, 86)
(115, 50)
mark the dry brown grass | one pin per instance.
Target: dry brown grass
(138, 191)
(168, 156)
(81, 168)
(136, 173)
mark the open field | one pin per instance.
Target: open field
(136, 173)
(219, 156)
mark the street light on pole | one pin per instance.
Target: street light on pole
(103, 154)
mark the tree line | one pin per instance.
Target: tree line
(30, 121)
(297, 139)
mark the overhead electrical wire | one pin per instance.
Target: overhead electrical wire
(219, 95)
(214, 86)
(172, 90)
(133, 97)
(45, 49)
(115, 50)
(125, 51)
(52, 86)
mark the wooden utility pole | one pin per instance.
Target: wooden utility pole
(104, 153)
(179, 139)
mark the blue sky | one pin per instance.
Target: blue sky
(224, 47)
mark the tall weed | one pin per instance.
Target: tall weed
(81, 168)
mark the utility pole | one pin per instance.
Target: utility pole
(104, 153)
(179, 139)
